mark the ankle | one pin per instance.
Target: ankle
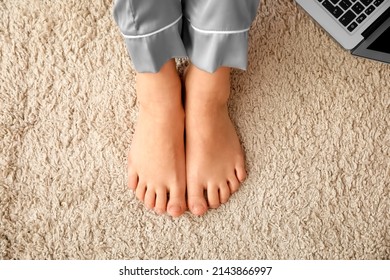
(208, 89)
(160, 92)
(162, 111)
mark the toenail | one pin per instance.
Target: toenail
(159, 211)
(198, 208)
(175, 208)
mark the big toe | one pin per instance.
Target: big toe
(177, 203)
(196, 200)
(198, 206)
(175, 209)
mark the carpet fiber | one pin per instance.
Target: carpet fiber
(313, 120)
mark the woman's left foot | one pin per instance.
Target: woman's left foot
(214, 157)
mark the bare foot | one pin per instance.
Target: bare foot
(215, 160)
(156, 161)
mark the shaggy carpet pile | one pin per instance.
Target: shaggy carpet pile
(314, 122)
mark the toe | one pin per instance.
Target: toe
(196, 201)
(224, 193)
(234, 184)
(161, 201)
(240, 172)
(140, 191)
(213, 196)
(176, 204)
(150, 198)
(132, 179)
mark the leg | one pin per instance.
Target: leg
(215, 33)
(215, 160)
(151, 29)
(156, 161)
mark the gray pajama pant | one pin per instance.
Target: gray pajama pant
(212, 33)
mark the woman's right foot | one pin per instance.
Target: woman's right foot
(156, 161)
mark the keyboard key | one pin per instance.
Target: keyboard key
(358, 8)
(352, 26)
(334, 10)
(334, 1)
(366, 2)
(369, 10)
(378, 2)
(345, 4)
(361, 18)
(346, 18)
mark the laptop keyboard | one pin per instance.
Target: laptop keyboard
(350, 13)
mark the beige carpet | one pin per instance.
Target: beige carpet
(314, 122)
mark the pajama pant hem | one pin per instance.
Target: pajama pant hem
(156, 31)
(150, 52)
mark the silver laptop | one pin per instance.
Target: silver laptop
(361, 26)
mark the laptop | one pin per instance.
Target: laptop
(361, 26)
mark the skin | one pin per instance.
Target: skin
(156, 161)
(215, 160)
(209, 166)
